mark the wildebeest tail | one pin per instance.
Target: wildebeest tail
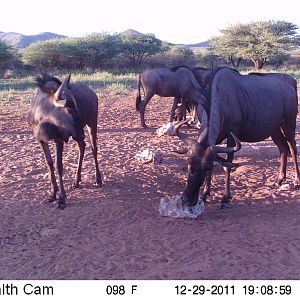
(138, 99)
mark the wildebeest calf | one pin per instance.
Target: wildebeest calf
(61, 110)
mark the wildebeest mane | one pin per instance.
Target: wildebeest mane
(206, 90)
(199, 68)
(174, 69)
(258, 74)
(221, 68)
(215, 71)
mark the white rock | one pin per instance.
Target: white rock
(165, 129)
(173, 207)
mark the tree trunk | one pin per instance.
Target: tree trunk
(258, 63)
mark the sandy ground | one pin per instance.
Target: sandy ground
(116, 232)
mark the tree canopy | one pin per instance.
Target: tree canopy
(75, 53)
(258, 41)
(137, 47)
(92, 51)
(7, 53)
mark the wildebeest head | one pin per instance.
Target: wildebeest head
(200, 161)
(54, 113)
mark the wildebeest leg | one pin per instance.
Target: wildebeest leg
(59, 169)
(194, 112)
(201, 115)
(227, 193)
(184, 108)
(290, 136)
(93, 138)
(174, 106)
(280, 141)
(142, 108)
(49, 162)
(206, 190)
(81, 148)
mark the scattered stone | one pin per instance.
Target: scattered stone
(175, 208)
(147, 156)
(49, 232)
(165, 129)
(285, 187)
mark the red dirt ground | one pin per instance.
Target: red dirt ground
(116, 232)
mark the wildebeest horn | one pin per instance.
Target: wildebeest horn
(183, 136)
(58, 101)
(236, 148)
(225, 163)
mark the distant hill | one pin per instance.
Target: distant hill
(132, 32)
(22, 41)
(198, 45)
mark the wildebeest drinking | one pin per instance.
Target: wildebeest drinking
(253, 108)
(61, 110)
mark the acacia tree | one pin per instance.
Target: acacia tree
(137, 47)
(7, 53)
(99, 49)
(44, 55)
(258, 41)
(75, 53)
(172, 55)
(223, 46)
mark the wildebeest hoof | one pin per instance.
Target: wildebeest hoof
(278, 183)
(61, 206)
(75, 185)
(225, 205)
(51, 199)
(98, 184)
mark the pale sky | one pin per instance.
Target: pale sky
(177, 21)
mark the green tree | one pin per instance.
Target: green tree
(75, 53)
(223, 46)
(7, 53)
(181, 55)
(258, 41)
(172, 56)
(137, 47)
(99, 49)
(44, 55)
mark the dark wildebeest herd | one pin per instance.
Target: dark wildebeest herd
(229, 106)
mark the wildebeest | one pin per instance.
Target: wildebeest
(253, 108)
(178, 82)
(61, 110)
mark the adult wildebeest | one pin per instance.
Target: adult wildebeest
(61, 110)
(178, 82)
(253, 108)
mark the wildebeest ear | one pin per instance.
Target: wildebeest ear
(50, 87)
(225, 163)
